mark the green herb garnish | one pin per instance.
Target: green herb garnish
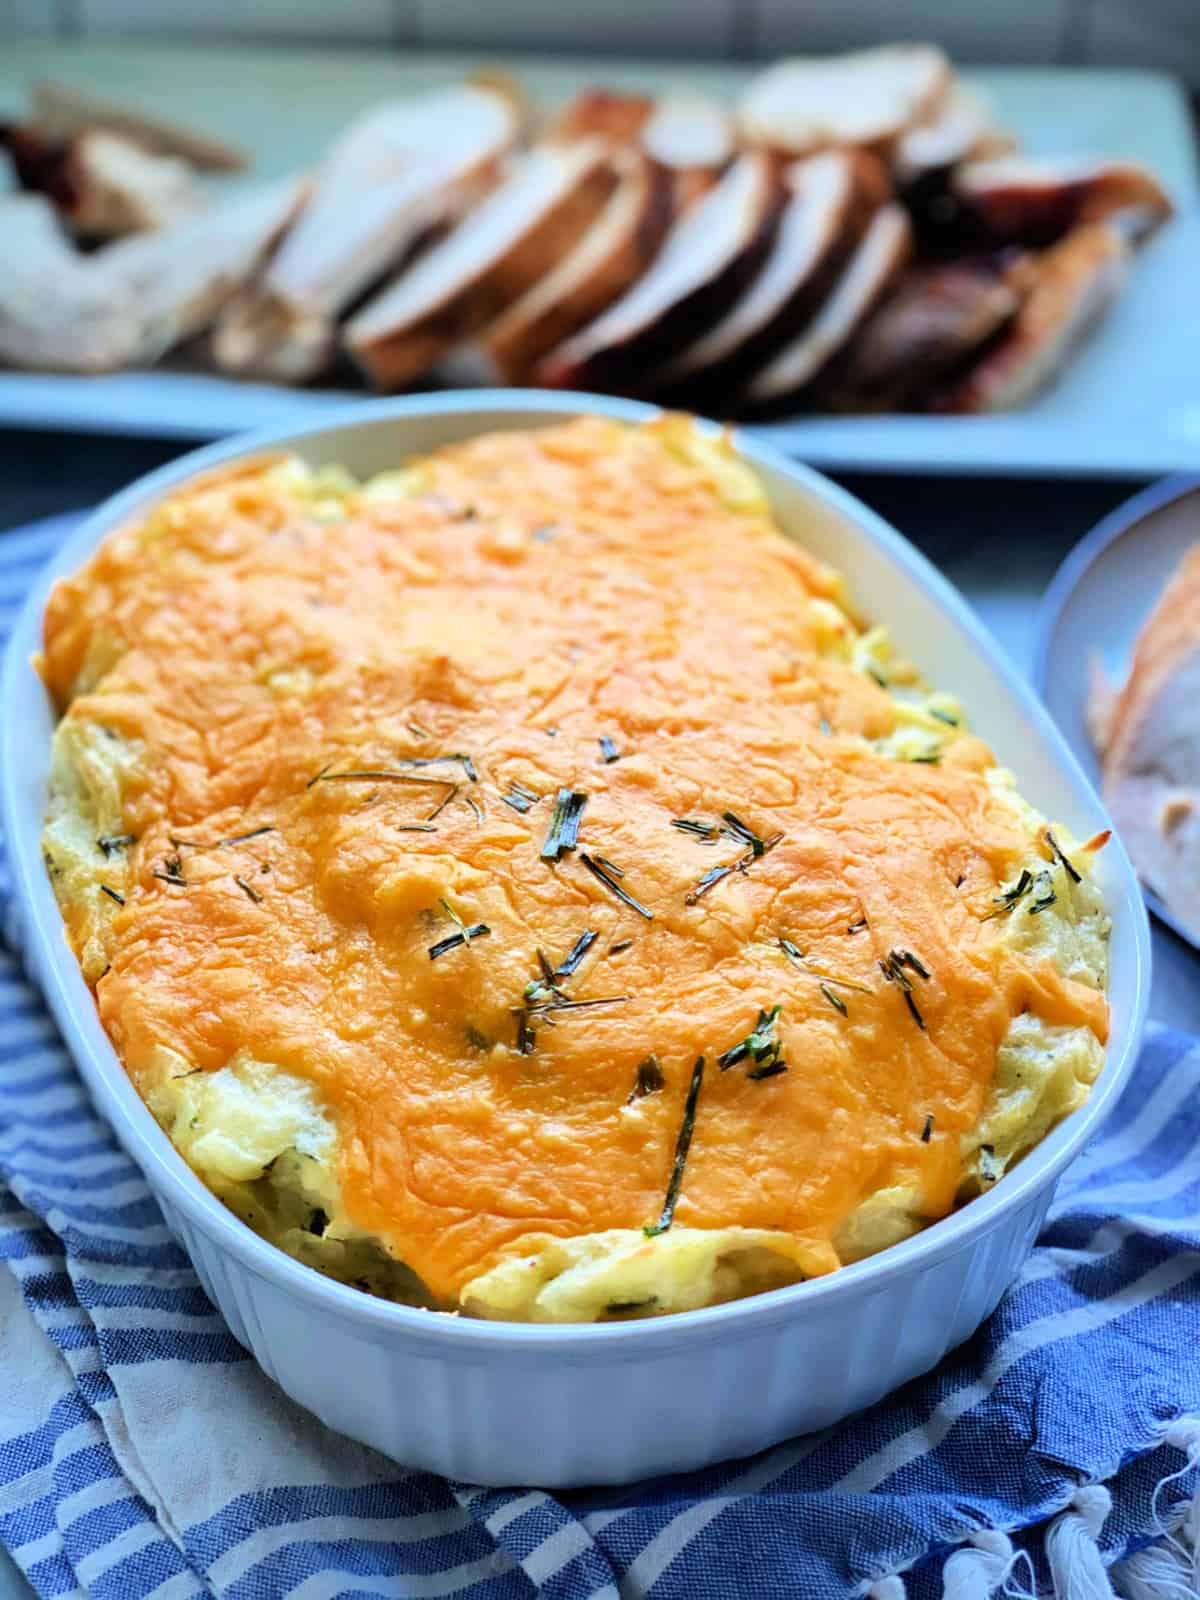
(463, 761)
(761, 1044)
(857, 927)
(608, 748)
(1067, 866)
(1043, 904)
(475, 807)
(708, 831)
(1007, 900)
(682, 1146)
(942, 716)
(621, 944)
(990, 1169)
(873, 671)
(649, 1080)
(711, 877)
(771, 1070)
(893, 971)
(835, 1001)
(254, 833)
(927, 1130)
(417, 731)
(615, 1308)
(247, 889)
(464, 935)
(796, 955)
(519, 797)
(526, 1038)
(610, 883)
(737, 829)
(451, 794)
(563, 833)
(108, 842)
(376, 775)
(931, 758)
(112, 894)
(569, 965)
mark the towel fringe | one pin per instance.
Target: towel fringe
(888, 1589)
(1169, 1570)
(983, 1567)
(1076, 1568)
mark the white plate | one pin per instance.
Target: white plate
(1128, 404)
(1096, 605)
(506, 1403)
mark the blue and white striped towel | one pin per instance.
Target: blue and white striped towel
(142, 1453)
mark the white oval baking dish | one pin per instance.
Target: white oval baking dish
(501, 1403)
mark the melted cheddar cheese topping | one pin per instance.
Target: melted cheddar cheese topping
(313, 731)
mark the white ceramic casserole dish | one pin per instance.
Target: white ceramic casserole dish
(504, 1403)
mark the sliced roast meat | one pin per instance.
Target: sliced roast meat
(103, 184)
(1016, 201)
(550, 199)
(57, 311)
(610, 256)
(1072, 283)
(960, 130)
(399, 170)
(880, 257)
(868, 97)
(937, 318)
(62, 110)
(831, 198)
(708, 257)
(693, 136)
(183, 276)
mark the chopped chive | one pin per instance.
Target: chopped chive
(1007, 900)
(793, 952)
(621, 944)
(166, 877)
(943, 716)
(369, 775)
(450, 794)
(475, 807)
(597, 871)
(682, 1146)
(415, 827)
(873, 671)
(254, 833)
(464, 936)
(1043, 904)
(563, 833)
(417, 731)
(526, 1037)
(451, 912)
(463, 761)
(519, 797)
(990, 1170)
(112, 894)
(108, 842)
(649, 1080)
(559, 1002)
(771, 1070)
(711, 877)
(247, 889)
(611, 866)
(761, 1044)
(1067, 866)
(570, 964)
(608, 748)
(857, 927)
(738, 830)
(905, 958)
(835, 1001)
(927, 1130)
(703, 830)
(614, 1308)
(931, 758)
(912, 1006)
(796, 955)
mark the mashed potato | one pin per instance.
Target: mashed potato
(521, 885)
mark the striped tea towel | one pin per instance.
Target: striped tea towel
(142, 1453)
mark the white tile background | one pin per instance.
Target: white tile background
(1152, 33)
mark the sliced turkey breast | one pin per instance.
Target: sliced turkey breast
(103, 184)
(831, 198)
(399, 170)
(936, 319)
(1017, 201)
(610, 256)
(876, 263)
(691, 135)
(867, 97)
(1152, 758)
(960, 129)
(183, 276)
(57, 311)
(1072, 283)
(62, 110)
(541, 210)
(706, 260)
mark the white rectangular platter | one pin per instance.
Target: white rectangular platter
(1128, 404)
